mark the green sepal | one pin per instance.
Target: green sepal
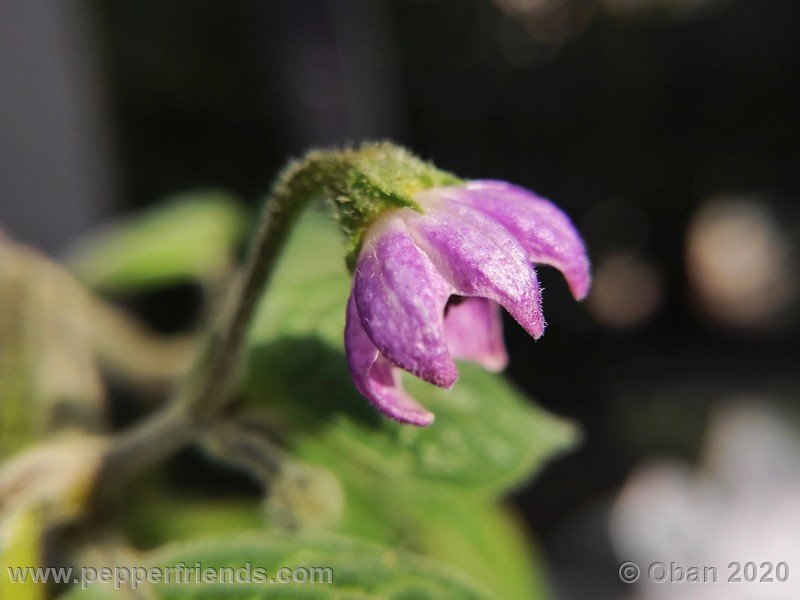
(362, 183)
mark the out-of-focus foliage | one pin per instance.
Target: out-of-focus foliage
(361, 570)
(154, 517)
(54, 337)
(55, 478)
(20, 544)
(48, 372)
(46, 486)
(188, 237)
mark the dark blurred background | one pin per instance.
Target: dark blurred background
(668, 129)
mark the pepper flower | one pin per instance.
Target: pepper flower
(430, 280)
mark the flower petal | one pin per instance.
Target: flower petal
(546, 233)
(375, 377)
(478, 257)
(474, 331)
(401, 298)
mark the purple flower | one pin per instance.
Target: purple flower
(428, 286)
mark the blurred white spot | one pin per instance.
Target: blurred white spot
(626, 291)
(739, 262)
(742, 504)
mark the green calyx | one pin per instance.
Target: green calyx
(362, 183)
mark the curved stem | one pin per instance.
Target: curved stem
(209, 386)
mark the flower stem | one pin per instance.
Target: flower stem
(209, 385)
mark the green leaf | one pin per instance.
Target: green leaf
(488, 543)
(189, 237)
(487, 437)
(360, 571)
(482, 540)
(309, 290)
(152, 517)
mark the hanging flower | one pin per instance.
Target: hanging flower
(429, 282)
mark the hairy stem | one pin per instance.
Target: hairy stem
(210, 384)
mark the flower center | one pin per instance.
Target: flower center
(453, 301)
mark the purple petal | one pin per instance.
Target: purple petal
(546, 233)
(401, 298)
(478, 257)
(474, 331)
(375, 377)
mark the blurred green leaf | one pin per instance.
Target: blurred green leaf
(49, 379)
(152, 517)
(22, 419)
(488, 543)
(20, 547)
(482, 540)
(189, 237)
(361, 570)
(41, 490)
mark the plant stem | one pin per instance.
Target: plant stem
(209, 386)
(161, 434)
